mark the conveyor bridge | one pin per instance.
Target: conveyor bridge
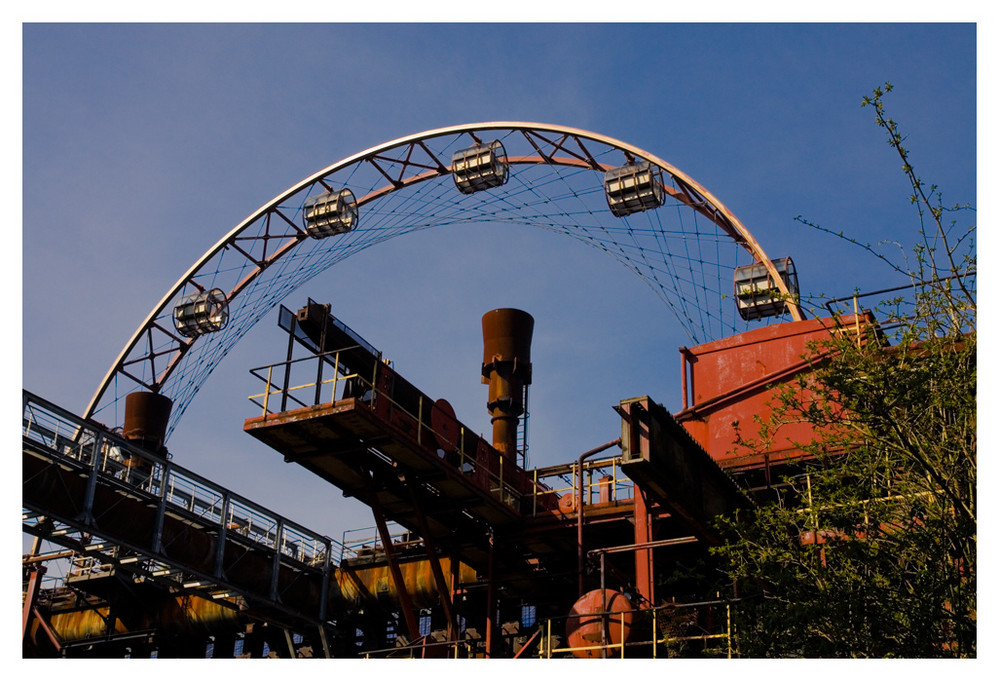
(347, 416)
(93, 492)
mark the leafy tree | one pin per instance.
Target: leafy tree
(869, 550)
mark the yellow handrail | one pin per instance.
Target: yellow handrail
(546, 650)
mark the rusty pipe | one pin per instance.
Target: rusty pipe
(507, 370)
(579, 506)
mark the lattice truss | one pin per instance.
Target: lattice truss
(685, 250)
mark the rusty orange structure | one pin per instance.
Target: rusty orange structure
(473, 554)
(507, 371)
(649, 506)
(728, 383)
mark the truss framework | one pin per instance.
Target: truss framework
(269, 254)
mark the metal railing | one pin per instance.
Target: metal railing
(603, 481)
(366, 543)
(900, 310)
(454, 649)
(651, 633)
(281, 385)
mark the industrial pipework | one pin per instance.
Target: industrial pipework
(507, 370)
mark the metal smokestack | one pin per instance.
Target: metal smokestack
(507, 370)
(146, 419)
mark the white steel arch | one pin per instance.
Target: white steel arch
(269, 254)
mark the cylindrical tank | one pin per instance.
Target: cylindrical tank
(598, 611)
(507, 370)
(357, 584)
(189, 614)
(146, 418)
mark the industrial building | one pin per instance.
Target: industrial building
(473, 553)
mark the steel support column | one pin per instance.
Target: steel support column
(405, 603)
(288, 366)
(220, 546)
(279, 532)
(444, 591)
(635, 440)
(644, 575)
(35, 574)
(48, 630)
(161, 509)
(87, 514)
(323, 641)
(491, 601)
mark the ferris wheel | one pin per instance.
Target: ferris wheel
(646, 214)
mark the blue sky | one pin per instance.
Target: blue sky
(144, 144)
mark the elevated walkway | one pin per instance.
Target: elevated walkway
(137, 513)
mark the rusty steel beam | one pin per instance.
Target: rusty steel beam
(35, 574)
(531, 640)
(644, 570)
(405, 603)
(46, 629)
(444, 590)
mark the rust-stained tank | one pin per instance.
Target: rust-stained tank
(357, 585)
(507, 370)
(587, 622)
(175, 612)
(727, 381)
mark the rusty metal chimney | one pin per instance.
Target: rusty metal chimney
(507, 370)
(146, 419)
